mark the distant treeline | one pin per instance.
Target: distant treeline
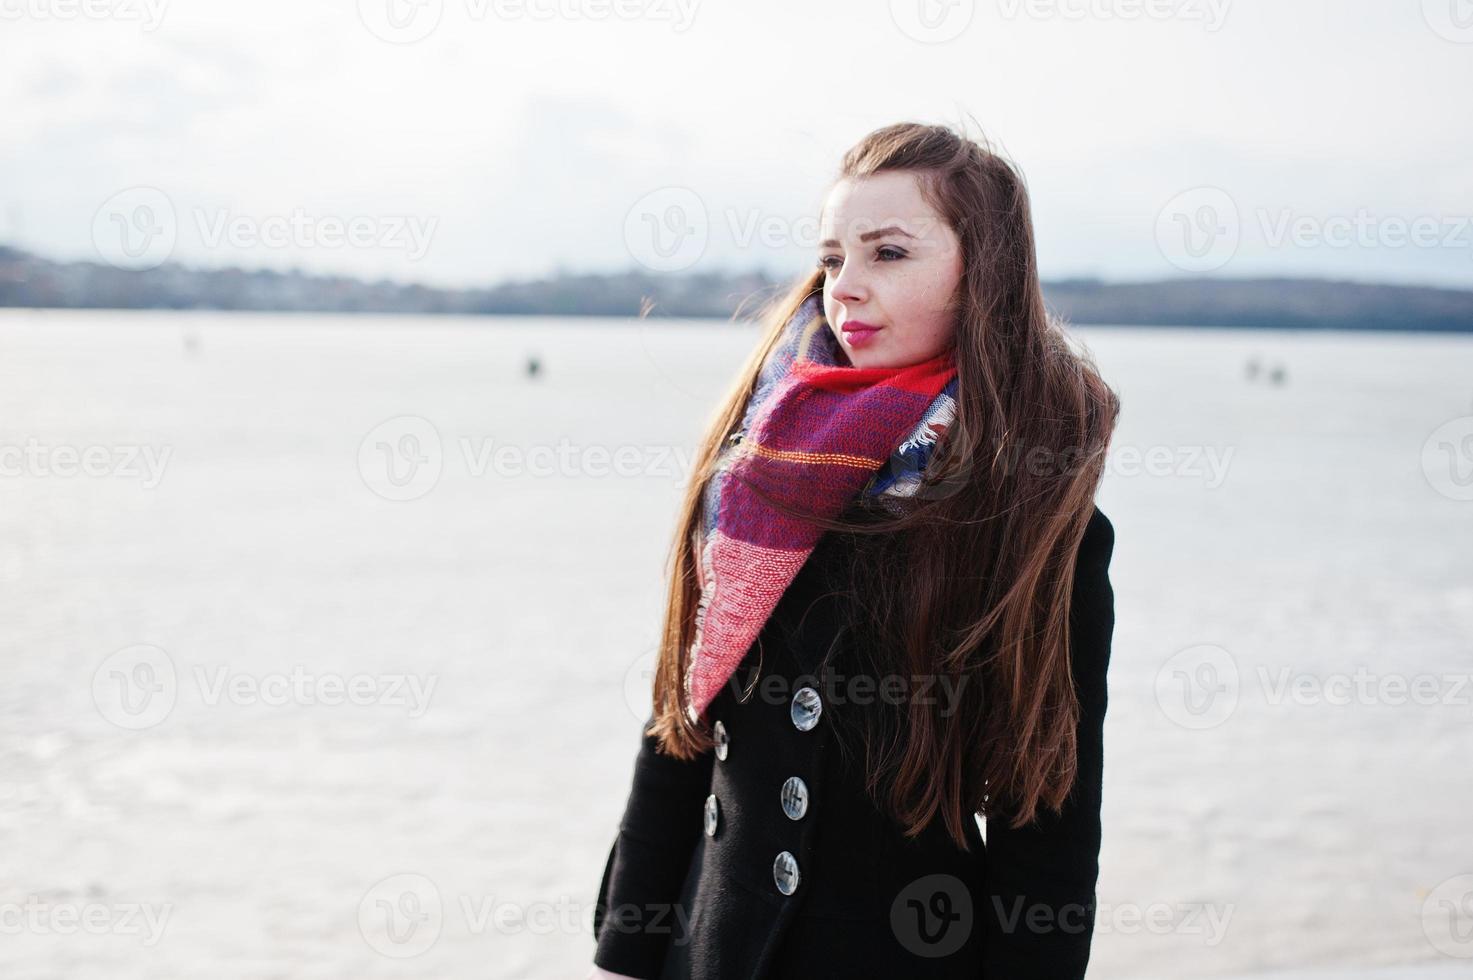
(28, 280)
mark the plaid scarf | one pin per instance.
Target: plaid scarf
(816, 433)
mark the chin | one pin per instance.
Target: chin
(866, 359)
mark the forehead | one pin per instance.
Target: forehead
(854, 206)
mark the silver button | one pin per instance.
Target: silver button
(785, 873)
(795, 798)
(713, 815)
(722, 741)
(806, 708)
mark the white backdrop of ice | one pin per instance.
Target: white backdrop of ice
(532, 602)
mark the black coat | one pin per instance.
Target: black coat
(856, 900)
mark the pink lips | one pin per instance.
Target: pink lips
(857, 332)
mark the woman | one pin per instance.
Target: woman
(889, 612)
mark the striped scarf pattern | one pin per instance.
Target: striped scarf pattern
(816, 434)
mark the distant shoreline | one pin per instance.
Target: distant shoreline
(31, 281)
(491, 319)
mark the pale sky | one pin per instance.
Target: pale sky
(466, 142)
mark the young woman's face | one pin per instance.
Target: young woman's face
(891, 265)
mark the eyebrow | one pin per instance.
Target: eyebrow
(870, 236)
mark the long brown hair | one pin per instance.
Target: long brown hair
(978, 591)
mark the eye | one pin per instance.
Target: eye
(885, 253)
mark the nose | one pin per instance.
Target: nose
(849, 285)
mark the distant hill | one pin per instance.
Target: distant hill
(28, 280)
(1288, 303)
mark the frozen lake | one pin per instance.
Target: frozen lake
(325, 641)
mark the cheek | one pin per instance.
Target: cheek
(830, 311)
(923, 304)
(925, 308)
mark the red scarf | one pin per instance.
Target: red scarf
(816, 433)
